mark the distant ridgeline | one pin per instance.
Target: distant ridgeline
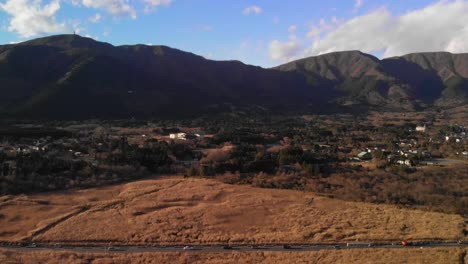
(71, 77)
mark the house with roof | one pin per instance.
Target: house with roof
(364, 155)
(421, 129)
(181, 136)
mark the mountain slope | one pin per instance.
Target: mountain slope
(442, 69)
(357, 79)
(69, 76)
(409, 82)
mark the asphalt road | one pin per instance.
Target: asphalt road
(220, 248)
(449, 161)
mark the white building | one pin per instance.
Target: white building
(199, 134)
(405, 162)
(182, 136)
(421, 128)
(364, 155)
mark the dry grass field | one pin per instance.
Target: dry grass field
(177, 210)
(379, 119)
(374, 256)
(456, 115)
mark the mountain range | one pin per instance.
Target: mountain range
(72, 77)
(409, 82)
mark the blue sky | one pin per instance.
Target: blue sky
(259, 32)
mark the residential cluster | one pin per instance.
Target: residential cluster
(70, 155)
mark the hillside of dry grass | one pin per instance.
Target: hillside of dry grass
(177, 210)
(353, 256)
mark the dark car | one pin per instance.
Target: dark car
(286, 247)
(227, 247)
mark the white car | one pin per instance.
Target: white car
(111, 248)
(189, 248)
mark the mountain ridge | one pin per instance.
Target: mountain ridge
(48, 77)
(72, 77)
(411, 81)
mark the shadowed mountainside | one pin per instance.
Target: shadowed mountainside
(409, 82)
(69, 76)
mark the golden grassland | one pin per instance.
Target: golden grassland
(454, 116)
(397, 118)
(174, 210)
(387, 256)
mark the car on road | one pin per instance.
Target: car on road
(32, 245)
(227, 247)
(336, 247)
(188, 248)
(57, 245)
(286, 247)
(358, 244)
(115, 249)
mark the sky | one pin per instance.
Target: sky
(258, 32)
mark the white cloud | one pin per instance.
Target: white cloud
(31, 17)
(292, 32)
(115, 7)
(77, 29)
(316, 30)
(292, 28)
(440, 26)
(152, 4)
(92, 37)
(252, 10)
(358, 4)
(459, 43)
(96, 18)
(158, 2)
(283, 51)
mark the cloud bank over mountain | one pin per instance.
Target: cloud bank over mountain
(441, 26)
